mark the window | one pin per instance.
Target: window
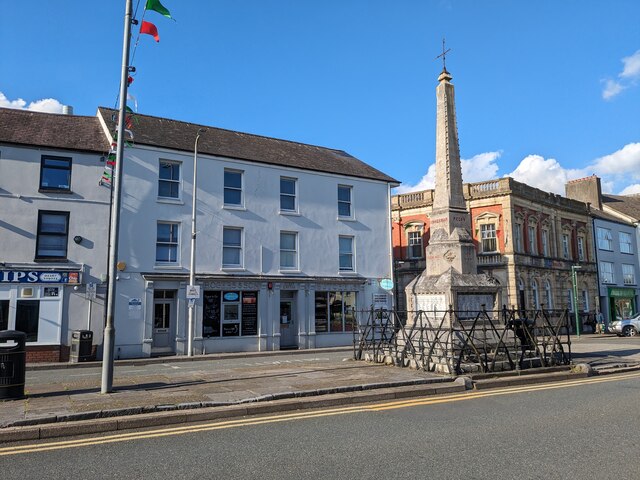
(288, 194)
(53, 230)
(545, 242)
(288, 251)
(585, 301)
(167, 242)
(625, 243)
(570, 299)
(531, 233)
(55, 173)
(536, 297)
(581, 248)
(229, 314)
(4, 315)
(346, 254)
(547, 294)
(27, 318)
(169, 179)
(414, 244)
(565, 245)
(606, 272)
(628, 274)
(344, 201)
(232, 247)
(335, 312)
(517, 240)
(488, 238)
(605, 240)
(232, 187)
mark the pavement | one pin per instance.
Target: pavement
(65, 399)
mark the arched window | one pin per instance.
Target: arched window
(570, 299)
(521, 295)
(547, 294)
(536, 297)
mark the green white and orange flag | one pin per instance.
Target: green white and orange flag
(156, 6)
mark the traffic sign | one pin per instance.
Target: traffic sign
(90, 291)
(193, 291)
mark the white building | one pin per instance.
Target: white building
(292, 241)
(53, 228)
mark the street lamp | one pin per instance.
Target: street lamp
(574, 282)
(192, 265)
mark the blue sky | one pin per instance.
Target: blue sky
(546, 90)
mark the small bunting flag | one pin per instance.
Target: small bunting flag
(150, 29)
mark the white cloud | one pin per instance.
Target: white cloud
(624, 162)
(48, 105)
(629, 76)
(545, 174)
(631, 66)
(611, 89)
(476, 169)
(631, 189)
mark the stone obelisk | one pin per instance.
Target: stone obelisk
(450, 279)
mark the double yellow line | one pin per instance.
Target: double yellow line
(245, 422)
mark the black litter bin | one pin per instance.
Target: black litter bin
(13, 359)
(81, 346)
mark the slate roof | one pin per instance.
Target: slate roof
(177, 135)
(50, 130)
(626, 204)
(608, 216)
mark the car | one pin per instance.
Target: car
(627, 327)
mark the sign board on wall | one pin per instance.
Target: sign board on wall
(38, 276)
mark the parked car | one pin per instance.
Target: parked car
(627, 327)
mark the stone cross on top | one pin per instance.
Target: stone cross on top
(443, 55)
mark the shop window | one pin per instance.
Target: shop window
(4, 315)
(288, 194)
(628, 274)
(55, 173)
(167, 242)
(344, 201)
(53, 230)
(606, 272)
(335, 312)
(605, 240)
(233, 187)
(231, 247)
(27, 318)
(346, 253)
(229, 313)
(169, 179)
(625, 243)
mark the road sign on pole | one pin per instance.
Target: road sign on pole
(90, 292)
(193, 291)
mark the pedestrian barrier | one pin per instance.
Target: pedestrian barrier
(456, 342)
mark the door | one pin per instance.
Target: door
(164, 314)
(288, 330)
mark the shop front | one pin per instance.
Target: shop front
(34, 302)
(622, 302)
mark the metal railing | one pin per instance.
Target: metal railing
(454, 342)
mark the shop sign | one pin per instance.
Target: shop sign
(622, 292)
(37, 276)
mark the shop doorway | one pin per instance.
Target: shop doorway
(164, 321)
(288, 327)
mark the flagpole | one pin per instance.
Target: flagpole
(109, 329)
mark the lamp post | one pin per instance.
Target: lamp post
(192, 265)
(574, 282)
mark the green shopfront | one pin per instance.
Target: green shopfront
(622, 302)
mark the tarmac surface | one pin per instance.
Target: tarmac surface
(65, 399)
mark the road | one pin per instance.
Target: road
(586, 429)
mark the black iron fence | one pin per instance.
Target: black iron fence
(455, 342)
